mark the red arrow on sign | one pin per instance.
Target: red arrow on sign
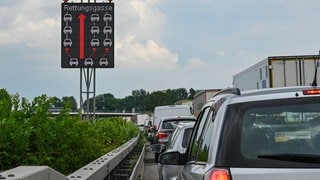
(81, 36)
(106, 52)
(67, 51)
(93, 51)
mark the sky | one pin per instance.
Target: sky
(159, 44)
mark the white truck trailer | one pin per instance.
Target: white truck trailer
(278, 71)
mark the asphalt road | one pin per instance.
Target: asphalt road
(150, 170)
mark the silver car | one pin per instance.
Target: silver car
(260, 134)
(166, 127)
(178, 141)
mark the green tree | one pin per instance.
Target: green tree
(106, 102)
(57, 102)
(5, 104)
(71, 101)
(192, 92)
(156, 98)
(180, 94)
(136, 100)
(140, 100)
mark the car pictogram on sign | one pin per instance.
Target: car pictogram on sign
(95, 17)
(74, 61)
(95, 42)
(67, 17)
(107, 29)
(67, 42)
(67, 30)
(107, 17)
(107, 42)
(103, 61)
(95, 30)
(88, 61)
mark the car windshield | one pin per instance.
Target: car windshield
(278, 131)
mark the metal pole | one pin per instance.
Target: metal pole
(94, 94)
(88, 88)
(87, 79)
(81, 100)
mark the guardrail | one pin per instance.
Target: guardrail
(139, 165)
(98, 169)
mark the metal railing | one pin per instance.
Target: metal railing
(139, 165)
(98, 169)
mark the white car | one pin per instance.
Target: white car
(271, 133)
(178, 141)
(166, 128)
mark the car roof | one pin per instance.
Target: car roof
(237, 96)
(177, 117)
(186, 124)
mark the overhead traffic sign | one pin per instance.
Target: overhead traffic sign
(87, 35)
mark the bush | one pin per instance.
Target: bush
(30, 136)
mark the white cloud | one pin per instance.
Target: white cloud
(196, 63)
(151, 21)
(138, 32)
(205, 43)
(221, 53)
(23, 24)
(134, 55)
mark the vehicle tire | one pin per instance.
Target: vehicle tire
(156, 156)
(160, 177)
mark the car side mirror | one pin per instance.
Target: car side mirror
(172, 158)
(157, 148)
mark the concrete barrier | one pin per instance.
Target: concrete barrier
(32, 172)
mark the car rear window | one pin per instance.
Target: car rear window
(169, 125)
(277, 133)
(172, 124)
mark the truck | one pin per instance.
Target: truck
(142, 119)
(168, 111)
(279, 71)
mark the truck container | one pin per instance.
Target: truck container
(142, 119)
(278, 71)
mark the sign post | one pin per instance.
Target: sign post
(87, 42)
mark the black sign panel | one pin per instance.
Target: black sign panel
(87, 35)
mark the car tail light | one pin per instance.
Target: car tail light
(218, 174)
(162, 135)
(311, 92)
